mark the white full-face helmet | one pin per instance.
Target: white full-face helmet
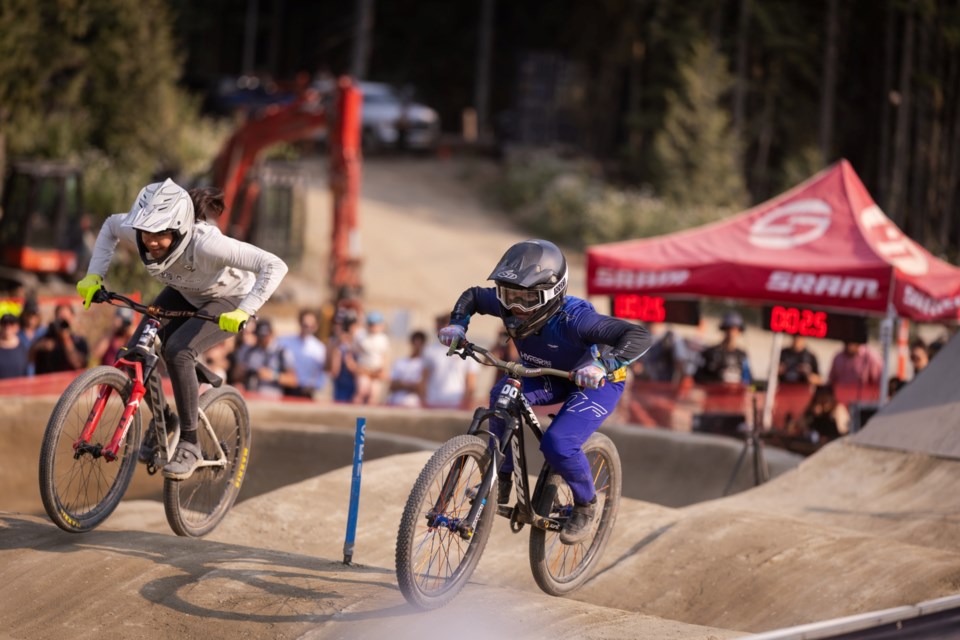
(162, 206)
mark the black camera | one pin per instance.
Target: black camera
(59, 325)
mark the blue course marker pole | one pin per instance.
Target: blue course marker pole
(354, 491)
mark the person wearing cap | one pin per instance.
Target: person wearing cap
(14, 353)
(373, 354)
(269, 366)
(726, 362)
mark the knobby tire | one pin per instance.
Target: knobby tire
(195, 506)
(80, 493)
(434, 563)
(558, 568)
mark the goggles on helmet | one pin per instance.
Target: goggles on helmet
(528, 300)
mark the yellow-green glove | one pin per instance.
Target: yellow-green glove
(89, 286)
(232, 321)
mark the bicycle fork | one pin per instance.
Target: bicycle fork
(109, 452)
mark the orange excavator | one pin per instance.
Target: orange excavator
(40, 222)
(291, 122)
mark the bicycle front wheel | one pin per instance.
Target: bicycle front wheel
(79, 486)
(559, 568)
(433, 560)
(195, 506)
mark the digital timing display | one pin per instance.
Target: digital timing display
(810, 323)
(646, 308)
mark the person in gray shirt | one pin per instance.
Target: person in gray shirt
(172, 231)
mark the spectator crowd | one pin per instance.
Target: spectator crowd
(348, 361)
(684, 384)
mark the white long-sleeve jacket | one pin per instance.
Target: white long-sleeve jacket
(212, 266)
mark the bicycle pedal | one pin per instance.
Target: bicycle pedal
(505, 510)
(152, 469)
(547, 524)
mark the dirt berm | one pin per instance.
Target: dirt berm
(294, 441)
(850, 530)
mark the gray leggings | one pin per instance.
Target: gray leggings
(184, 339)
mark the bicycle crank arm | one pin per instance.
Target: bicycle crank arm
(519, 517)
(547, 524)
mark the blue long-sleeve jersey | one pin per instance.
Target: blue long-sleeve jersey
(565, 341)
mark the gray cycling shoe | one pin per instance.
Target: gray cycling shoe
(581, 523)
(185, 461)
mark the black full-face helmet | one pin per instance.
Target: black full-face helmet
(531, 280)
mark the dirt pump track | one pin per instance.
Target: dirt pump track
(850, 530)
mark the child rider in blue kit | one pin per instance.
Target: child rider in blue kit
(556, 330)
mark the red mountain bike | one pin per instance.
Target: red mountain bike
(92, 440)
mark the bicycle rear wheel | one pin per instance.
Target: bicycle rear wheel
(196, 505)
(433, 561)
(559, 568)
(79, 486)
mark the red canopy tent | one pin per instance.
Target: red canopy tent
(825, 243)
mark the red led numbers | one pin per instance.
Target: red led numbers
(794, 321)
(637, 307)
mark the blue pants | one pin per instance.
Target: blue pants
(582, 413)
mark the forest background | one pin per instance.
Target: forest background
(663, 114)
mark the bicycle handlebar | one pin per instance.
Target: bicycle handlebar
(109, 297)
(468, 349)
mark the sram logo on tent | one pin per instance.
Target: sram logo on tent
(629, 279)
(890, 242)
(930, 306)
(823, 285)
(791, 225)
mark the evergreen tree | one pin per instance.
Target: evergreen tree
(80, 75)
(696, 148)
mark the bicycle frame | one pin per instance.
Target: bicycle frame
(139, 364)
(515, 410)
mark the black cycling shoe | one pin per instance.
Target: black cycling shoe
(580, 524)
(148, 447)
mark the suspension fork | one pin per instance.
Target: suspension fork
(453, 476)
(497, 456)
(137, 371)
